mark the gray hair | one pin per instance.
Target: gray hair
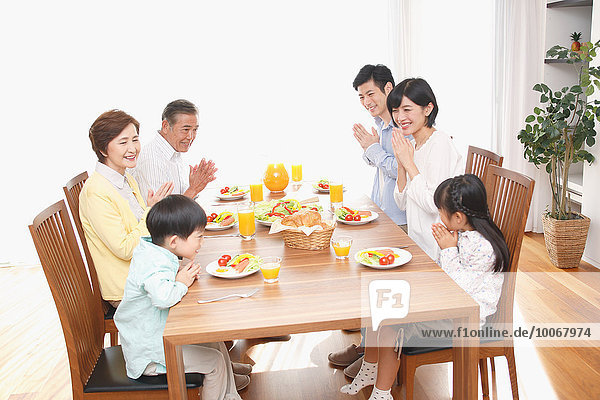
(175, 107)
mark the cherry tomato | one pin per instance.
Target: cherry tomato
(325, 186)
(391, 258)
(384, 261)
(223, 191)
(348, 217)
(321, 185)
(222, 262)
(357, 217)
(209, 219)
(226, 257)
(226, 188)
(214, 216)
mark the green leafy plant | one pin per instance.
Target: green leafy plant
(555, 134)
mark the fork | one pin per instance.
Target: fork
(250, 293)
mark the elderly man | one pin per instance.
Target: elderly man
(160, 160)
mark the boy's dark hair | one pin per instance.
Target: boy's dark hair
(466, 194)
(380, 74)
(419, 92)
(174, 215)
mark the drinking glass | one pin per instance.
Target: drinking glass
(270, 269)
(246, 221)
(336, 192)
(256, 192)
(297, 172)
(341, 246)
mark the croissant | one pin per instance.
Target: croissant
(302, 218)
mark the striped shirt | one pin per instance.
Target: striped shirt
(122, 187)
(159, 163)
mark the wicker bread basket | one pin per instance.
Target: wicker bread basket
(565, 240)
(318, 240)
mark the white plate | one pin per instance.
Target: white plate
(232, 197)
(265, 223)
(362, 221)
(216, 227)
(321, 190)
(211, 269)
(404, 257)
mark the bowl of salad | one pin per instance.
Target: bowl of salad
(268, 212)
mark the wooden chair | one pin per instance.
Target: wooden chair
(95, 372)
(72, 190)
(478, 160)
(509, 196)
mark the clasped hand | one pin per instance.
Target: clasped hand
(403, 149)
(444, 238)
(188, 273)
(201, 175)
(364, 138)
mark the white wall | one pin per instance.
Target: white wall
(591, 175)
(272, 80)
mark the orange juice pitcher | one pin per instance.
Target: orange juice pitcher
(276, 178)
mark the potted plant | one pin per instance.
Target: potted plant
(555, 136)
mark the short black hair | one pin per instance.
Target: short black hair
(419, 92)
(174, 215)
(380, 74)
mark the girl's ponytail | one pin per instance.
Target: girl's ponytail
(466, 194)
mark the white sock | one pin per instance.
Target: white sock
(378, 394)
(367, 375)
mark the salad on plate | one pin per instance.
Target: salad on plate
(221, 221)
(322, 186)
(232, 193)
(234, 267)
(383, 257)
(355, 217)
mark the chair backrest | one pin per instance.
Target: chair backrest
(478, 160)
(72, 190)
(80, 311)
(509, 196)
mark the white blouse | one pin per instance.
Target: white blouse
(471, 266)
(437, 160)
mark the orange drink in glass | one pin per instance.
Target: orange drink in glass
(336, 193)
(256, 192)
(246, 222)
(341, 246)
(270, 269)
(297, 172)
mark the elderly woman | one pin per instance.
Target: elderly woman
(111, 207)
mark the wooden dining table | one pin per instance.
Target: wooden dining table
(315, 292)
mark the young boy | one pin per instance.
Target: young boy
(154, 284)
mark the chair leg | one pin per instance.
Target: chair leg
(408, 369)
(484, 378)
(492, 366)
(114, 338)
(512, 370)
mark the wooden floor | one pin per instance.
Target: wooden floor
(33, 360)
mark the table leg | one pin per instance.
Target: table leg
(175, 371)
(465, 355)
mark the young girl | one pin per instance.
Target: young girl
(422, 163)
(154, 284)
(473, 253)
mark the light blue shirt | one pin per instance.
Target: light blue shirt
(381, 155)
(150, 291)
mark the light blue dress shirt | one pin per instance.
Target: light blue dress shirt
(150, 291)
(381, 155)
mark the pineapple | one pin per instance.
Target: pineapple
(575, 36)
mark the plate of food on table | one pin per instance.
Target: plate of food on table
(220, 221)
(383, 257)
(322, 186)
(234, 267)
(352, 216)
(270, 211)
(232, 193)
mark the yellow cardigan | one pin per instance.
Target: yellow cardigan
(111, 231)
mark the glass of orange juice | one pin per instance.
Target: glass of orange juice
(246, 221)
(270, 269)
(256, 192)
(336, 192)
(341, 246)
(297, 172)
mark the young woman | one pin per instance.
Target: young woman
(423, 162)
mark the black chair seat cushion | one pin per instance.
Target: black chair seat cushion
(110, 313)
(110, 375)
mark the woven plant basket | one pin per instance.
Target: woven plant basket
(565, 240)
(318, 240)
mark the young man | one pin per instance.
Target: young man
(160, 161)
(373, 84)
